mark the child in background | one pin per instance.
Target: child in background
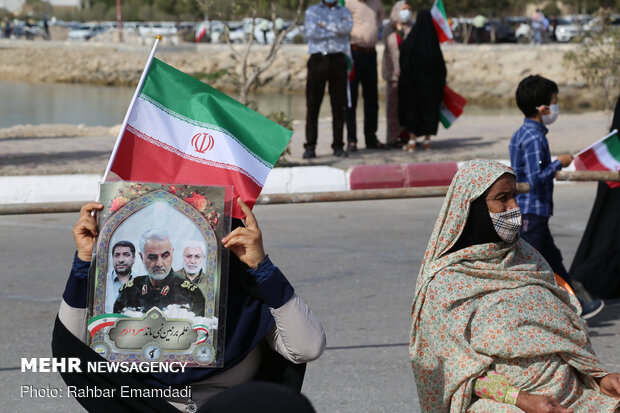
(530, 157)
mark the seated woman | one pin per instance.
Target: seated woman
(491, 329)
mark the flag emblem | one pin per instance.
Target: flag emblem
(203, 142)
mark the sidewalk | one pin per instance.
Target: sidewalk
(58, 168)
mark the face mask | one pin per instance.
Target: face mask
(555, 111)
(404, 15)
(329, 2)
(507, 224)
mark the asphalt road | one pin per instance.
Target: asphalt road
(354, 263)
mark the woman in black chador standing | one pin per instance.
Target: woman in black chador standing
(422, 81)
(597, 261)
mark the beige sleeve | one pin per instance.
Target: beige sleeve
(298, 334)
(392, 43)
(74, 319)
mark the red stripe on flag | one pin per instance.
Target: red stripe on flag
(589, 161)
(140, 160)
(453, 101)
(100, 326)
(440, 33)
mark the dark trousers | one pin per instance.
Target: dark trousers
(330, 69)
(535, 230)
(365, 70)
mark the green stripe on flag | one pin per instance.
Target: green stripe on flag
(106, 315)
(196, 100)
(444, 120)
(439, 5)
(612, 144)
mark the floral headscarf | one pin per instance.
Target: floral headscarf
(486, 306)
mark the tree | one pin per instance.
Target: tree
(248, 73)
(598, 60)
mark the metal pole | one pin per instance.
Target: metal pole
(268, 199)
(119, 21)
(334, 196)
(133, 101)
(587, 175)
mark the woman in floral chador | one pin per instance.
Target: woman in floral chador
(492, 331)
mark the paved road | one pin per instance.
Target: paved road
(354, 263)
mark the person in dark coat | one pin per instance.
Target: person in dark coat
(597, 261)
(422, 81)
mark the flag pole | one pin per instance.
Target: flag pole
(131, 104)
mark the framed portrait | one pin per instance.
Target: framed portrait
(158, 289)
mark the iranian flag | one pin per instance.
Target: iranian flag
(440, 20)
(451, 107)
(603, 155)
(201, 31)
(182, 131)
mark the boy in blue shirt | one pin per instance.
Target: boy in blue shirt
(530, 157)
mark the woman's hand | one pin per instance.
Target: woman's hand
(610, 384)
(534, 403)
(85, 231)
(246, 243)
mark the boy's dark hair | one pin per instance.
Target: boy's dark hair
(125, 244)
(534, 91)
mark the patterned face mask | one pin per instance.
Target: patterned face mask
(507, 224)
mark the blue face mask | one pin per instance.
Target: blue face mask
(329, 2)
(404, 15)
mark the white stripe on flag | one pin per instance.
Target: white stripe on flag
(446, 112)
(172, 131)
(605, 157)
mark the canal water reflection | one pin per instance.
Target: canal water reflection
(27, 103)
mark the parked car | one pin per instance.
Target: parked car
(595, 25)
(235, 32)
(86, 31)
(504, 33)
(521, 25)
(566, 30)
(155, 28)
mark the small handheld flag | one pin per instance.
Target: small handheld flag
(440, 20)
(602, 155)
(451, 107)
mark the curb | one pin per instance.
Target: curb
(402, 175)
(67, 188)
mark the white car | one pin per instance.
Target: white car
(155, 28)
(566, 30)
(86, 31)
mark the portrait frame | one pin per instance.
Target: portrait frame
(160, 314)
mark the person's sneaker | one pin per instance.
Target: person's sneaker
(340, 153)
(309, 153)
(591, 308)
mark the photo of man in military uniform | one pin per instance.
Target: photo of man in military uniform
(193, 259)
(162, 286)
